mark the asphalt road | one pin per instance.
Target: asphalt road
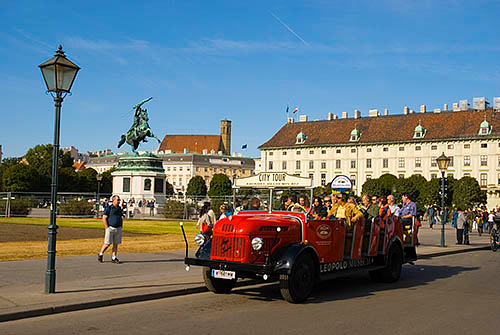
(456, 294)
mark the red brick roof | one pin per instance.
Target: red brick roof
(78, 166)
(388, 129)
(195, 143)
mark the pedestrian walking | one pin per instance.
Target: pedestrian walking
(151, 205)
(431, 215)
(113, 222)
(491, 218)
(206, 221)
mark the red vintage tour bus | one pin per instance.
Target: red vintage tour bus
(297, 248)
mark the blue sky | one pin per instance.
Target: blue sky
(204, 61)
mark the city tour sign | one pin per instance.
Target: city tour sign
(273, 180)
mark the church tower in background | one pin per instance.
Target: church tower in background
(225, 134)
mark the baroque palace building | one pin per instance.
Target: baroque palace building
(403, 145)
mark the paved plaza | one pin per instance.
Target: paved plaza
(84, 283)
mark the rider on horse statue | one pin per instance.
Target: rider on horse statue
(140, 128)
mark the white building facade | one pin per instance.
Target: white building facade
(402, 145)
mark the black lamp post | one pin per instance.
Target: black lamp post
(59, 73)
(443, 161)
(98, 201)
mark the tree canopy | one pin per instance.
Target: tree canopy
(220, 186)
(196, 187)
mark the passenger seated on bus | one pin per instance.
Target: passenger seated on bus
(255, 204)
(384, 211)
(318, 208)
(290, 201)
(345, 210)
(304, 202)
(369, 209)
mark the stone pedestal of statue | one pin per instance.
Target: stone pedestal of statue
(140, 178)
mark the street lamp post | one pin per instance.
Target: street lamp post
(98, 201)
(443, 161)
(59, 73)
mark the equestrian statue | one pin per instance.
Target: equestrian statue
(140, 128)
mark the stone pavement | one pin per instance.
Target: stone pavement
(82, 282)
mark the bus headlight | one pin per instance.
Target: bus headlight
(257, 243)
(200, 239)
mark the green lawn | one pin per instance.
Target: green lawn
(130, 226)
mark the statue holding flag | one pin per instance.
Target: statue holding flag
(140, 128)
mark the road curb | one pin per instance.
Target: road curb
(161, 295)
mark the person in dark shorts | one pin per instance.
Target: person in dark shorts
(113, 222)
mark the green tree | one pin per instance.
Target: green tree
(87, 180)
(196, 187)
(384, 185)
(107, 181)
(321, 191)
(169, 189)
(467, 193)
(4, 165)
(68, 180)
(20, 178)
(220, 186)
(40, 157)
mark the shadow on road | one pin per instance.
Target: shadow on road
(360, 285)
(109, 289)
(155, 261)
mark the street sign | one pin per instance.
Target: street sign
(341, 183)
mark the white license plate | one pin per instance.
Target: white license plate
(223, 274)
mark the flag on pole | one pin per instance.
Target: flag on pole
(295, 110)
(244, 146)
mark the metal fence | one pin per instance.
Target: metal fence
(37, 204)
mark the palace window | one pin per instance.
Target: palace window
(401, 148)
(418, 148)
(284, 153)
(434, 147)
(401, 162)
(484, 160)
(434, 176)
(484, 145)
(323, 179)
(368, 163)
(271, 153)
(323, 165)
(297, 165)
(270, 165)
(451, 146)
(353, 180)
(353, 150)
(311, 165)
(311, 152)
(452, 161)
(368, 149)
(368, 176)
(483, 180)
(433, 162)
(467, 146)
(466, 160)
(323, 152)
(353, 164)
(283, 165)
(386, 149)
(401, 175)
(418, 162)
(385, 163)
(338, 163)
(338, 151)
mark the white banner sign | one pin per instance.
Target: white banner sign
(273, 179)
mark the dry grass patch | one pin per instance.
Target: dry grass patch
(12, 251)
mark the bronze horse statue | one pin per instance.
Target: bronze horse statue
(140, 128)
